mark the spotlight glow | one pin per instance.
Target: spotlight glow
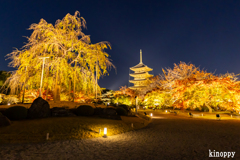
(105, 133)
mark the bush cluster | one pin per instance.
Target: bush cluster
(197, 109)
(121, 111)
(16, 113)
(12, 99)
(205, 109)
(124, 106)
(85, 110)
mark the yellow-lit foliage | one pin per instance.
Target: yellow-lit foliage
(191, 87)
(186, 86)
(125, 96)
(72, 57)
(154, 98)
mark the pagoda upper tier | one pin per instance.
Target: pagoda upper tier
(140, 75)
(141, 68)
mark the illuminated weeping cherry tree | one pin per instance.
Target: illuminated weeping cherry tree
(72, 58)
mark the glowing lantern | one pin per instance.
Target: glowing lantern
(47, 137)
(151, 114)
(9, 104)
(105, 133)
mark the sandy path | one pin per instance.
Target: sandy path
(168, 137)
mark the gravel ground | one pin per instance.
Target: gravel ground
(167, 137)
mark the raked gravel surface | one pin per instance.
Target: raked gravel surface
(167, 137)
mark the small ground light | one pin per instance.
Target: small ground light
(105, 133)
(166, 111)
(151, 114)
(9, 104)
(47, 137)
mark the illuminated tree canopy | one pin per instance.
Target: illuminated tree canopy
(125, 96)
(73, 60)
(186, 86)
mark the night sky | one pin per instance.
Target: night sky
(205, 33)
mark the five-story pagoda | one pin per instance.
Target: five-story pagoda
(140, 75)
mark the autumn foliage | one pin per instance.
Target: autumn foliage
(186, 86)
(73, 64)
(125, 96)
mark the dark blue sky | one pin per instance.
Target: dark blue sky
(203, 32)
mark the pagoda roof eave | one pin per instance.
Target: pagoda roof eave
(137, 87)
(137, 75)
(140, 66)
(140, 80)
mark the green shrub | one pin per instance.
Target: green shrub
(85, 110)
(197, 109)
(121, 111)
(16, 113)
(10, 99)
(205, 109)
(164, 106)
(124, 107)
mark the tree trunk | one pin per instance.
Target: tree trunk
(209, 108)
(70, 90)
(47, 93)
(23, 92)
(24, 88)
(58, 93)
(47, 86)
(57, 89)
(74, 80)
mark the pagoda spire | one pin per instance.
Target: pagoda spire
(140, 56)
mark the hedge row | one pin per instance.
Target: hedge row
(20, 112)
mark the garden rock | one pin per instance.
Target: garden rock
(61, 112)
(39, 109)
(109, 111)
(4, 121)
